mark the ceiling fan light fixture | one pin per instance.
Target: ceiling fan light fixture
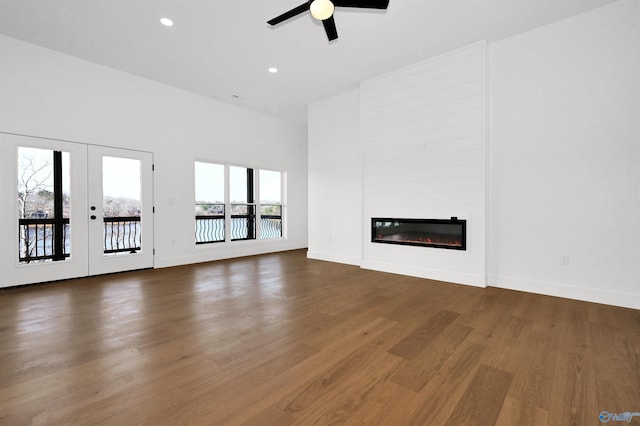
(166, 22)
(321, 9)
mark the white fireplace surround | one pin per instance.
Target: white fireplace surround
(423, 143)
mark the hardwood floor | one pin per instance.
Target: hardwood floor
(279, 339)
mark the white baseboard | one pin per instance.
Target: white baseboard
(218, 252)
(330, 257)
(586, 294)
(476, 280)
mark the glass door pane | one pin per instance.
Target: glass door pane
(43, 197)
(121, 205)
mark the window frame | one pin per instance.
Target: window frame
(254, 216)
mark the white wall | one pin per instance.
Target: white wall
(565, 158)
(335, 179)
(423, 135)
(47, 94)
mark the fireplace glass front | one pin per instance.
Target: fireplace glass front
(439, 233)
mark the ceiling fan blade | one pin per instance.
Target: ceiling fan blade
(330, 28)
(364, 4)
(290, 14)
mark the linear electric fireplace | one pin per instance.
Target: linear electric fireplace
(440, 233)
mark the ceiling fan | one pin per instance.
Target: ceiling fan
(322, 10)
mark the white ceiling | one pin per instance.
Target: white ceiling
(222, 48)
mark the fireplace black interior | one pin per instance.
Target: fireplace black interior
(440, 233)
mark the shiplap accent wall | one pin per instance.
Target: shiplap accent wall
(423, 136)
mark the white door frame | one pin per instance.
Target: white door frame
(81, 262)
(76, 265)
(99, 263)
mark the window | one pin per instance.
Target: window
(210, 206)
(243, 208)
(226, 205)
(270, 204)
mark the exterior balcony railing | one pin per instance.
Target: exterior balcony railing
(122, 234)
(210, 228)
(270, 226)
(37, 238)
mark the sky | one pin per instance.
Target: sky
(121, 178)
(210, 183)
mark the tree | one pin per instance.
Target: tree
(34, 195)
(34, 187)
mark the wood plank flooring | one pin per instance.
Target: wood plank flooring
(279, 339)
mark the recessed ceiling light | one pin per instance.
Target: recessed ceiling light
(273, 70)
(166, 22)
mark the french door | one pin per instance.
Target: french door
(120, 210)
(72, 210)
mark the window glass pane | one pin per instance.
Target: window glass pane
(270, 187)
(271, 210)
(209, 203)
(238, 189)
(66, 191)
(241, 195)
(270, 204)
(121, 205)
(209, 183)
(35, 182)
(240, 209)
(121, 186)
